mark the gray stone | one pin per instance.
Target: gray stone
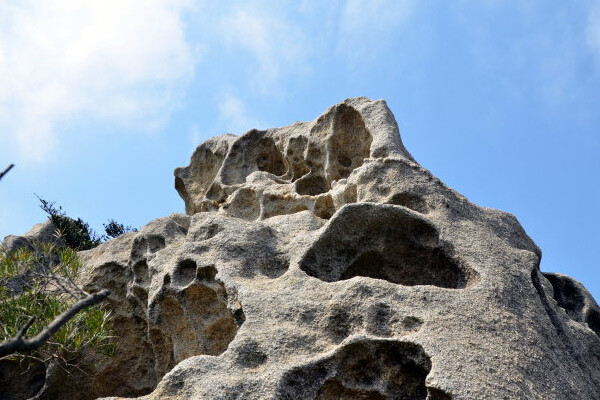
(44, 232)
(320, 261)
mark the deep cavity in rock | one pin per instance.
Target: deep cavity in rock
(384, 242)
(365, 369)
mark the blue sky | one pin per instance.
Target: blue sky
(101, 100)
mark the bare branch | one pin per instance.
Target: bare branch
(18, 343)
(6, 170)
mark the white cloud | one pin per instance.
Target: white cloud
(277, 45)
(124, 61)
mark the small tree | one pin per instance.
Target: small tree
(76, 233)
(114, 229)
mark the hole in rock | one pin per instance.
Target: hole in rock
(567, 295)
(314, 154)
(206, 273)
(253, 151)
(216, 193)
(194, 320)
(140, 273)
(409, 200)
(593, 321)
(140, 293)
(367, 369)
(345, 161)
(145, 245)
(384, 242)
(343, 173)
(349, 145)
(206, 232)
(185, 272)
(239, 316)
(574, 299)
(298, 171)
(271, 160)
(312, 185)
(437, 394)
(267, 156)
(412, 323)
(334, 389)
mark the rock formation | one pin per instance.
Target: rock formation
(321, 261)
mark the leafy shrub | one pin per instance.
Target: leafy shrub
(114, 229)
(39, 283)
(76, 233)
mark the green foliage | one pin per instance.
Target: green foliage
(114, 229)
(40, 283)
(76, 233)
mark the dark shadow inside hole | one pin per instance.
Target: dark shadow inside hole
(140, 272)
(409, 266)
(270, 159)
(437, 394)
(593, 321)
(334, 389)
(206, 273)
(312, 185)
(345, 161)
(567, 295)
(385, 242)
(368, 370)
(575, 300)
(344, 173)
(409, 200)
(185, 272)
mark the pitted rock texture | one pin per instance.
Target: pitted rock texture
(286, 170)
(320, 261)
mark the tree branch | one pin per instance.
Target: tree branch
(6, 170)
(18, 343)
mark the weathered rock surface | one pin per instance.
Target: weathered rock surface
(320, 261)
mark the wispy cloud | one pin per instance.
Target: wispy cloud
(277, 45)
(120, 60)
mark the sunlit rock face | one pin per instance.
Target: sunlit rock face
(321, 261)
(283, 171)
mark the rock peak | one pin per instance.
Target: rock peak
(277, 171)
